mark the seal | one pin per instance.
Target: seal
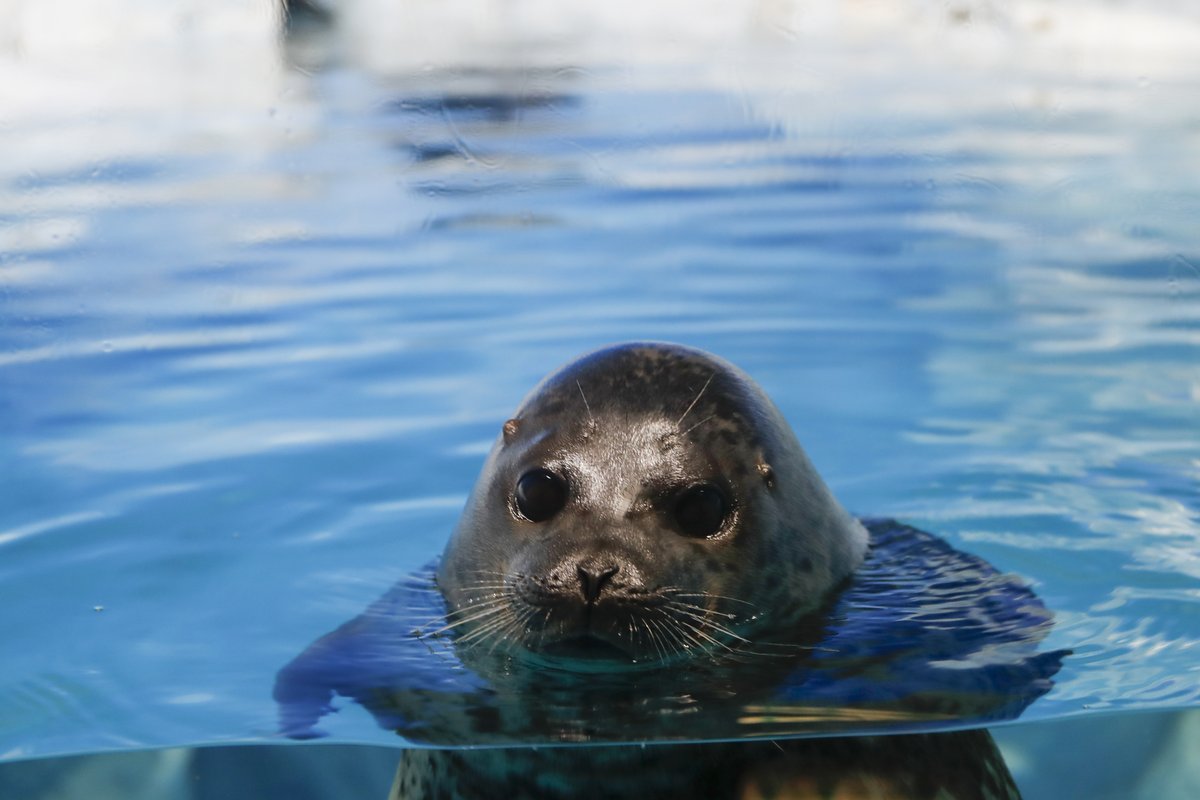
(645, 503)
(648, 503)
(649, 556)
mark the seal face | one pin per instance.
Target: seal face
(646, 502)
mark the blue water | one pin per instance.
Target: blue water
(254, 345)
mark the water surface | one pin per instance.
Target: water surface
(254, 343)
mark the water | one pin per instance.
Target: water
(263, 311)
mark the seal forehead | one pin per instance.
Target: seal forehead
(678, 383)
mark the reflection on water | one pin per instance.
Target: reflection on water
(257, 319)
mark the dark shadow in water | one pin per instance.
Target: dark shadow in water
(301, 13)
(924, 637)
(490, 106)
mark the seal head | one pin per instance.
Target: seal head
(647, 501)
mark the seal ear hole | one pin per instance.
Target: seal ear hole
(540, 494)
(700, 510)
(767, 474)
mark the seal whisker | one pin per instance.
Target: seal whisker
(448, 617)
(591, 418)
(482, 599)
(497, 572)
(475, 605)
(682, 644)
(656, 627)
(473, 638)
(637, 636)
(674, 592)
(485, 631)
(695, 400)
(457, 616)
(514, 623)
(545, 621)
(701, 613)
(641, 636)
(680, 631)
(487, 612)
(703, 610)
(697, 425)
(522, 622)
(699, 632)
(706, 621)
(741, 648)
(741, 652)
(709, 643)
(482, 587)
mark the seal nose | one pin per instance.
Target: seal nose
(593, 578)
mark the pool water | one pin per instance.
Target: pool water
(264, 304)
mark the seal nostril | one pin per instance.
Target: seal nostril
(593, 579)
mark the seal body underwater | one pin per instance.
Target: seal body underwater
(646, 502)
(962, 765)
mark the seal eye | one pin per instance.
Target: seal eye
(700, 511)
(540, 495)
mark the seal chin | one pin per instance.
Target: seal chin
(587, 631)
(588, 648)
(593, 654)
(577, 636)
